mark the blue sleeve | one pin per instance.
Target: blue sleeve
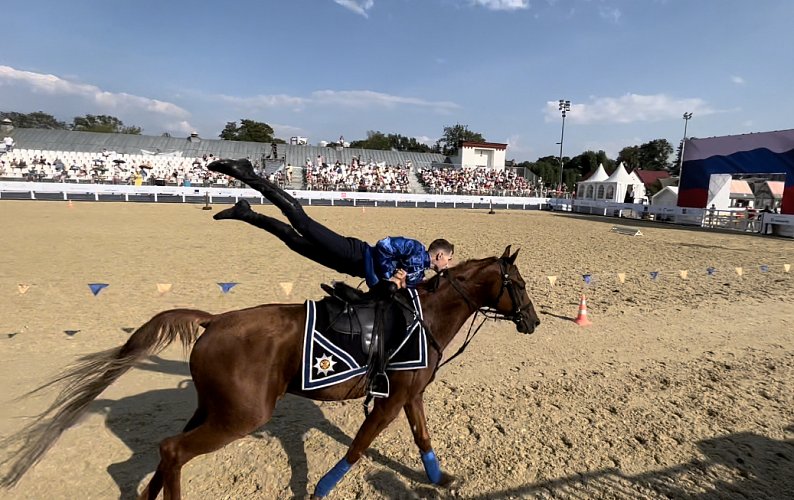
(396, 252)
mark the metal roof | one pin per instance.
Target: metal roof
(67, 140)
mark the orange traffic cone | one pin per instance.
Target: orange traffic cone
(581, 318)
(70, 204)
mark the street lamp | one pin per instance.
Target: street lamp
(687, 117)
(565, 106)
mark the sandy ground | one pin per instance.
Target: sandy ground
(680, 389)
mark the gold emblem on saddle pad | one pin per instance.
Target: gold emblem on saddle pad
(325, 364)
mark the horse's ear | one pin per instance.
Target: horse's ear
(506, 255)
(512, 258)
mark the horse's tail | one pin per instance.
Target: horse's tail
(89, 376)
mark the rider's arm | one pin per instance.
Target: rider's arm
(395, 252)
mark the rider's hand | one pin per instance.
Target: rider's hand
(399, 277)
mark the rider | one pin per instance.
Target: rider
(397, 259)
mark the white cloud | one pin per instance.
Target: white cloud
(370, 99)
(738, 80)
(516, 147)
(629, 108)
(110, 101)
(610, 13)
(502, 4)
(265, 101)
(360, 99)
(360, 7)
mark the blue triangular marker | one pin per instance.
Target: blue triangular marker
(764, 268)
(71, 333)
(711, 271)
(586, 278)
(225, 287)
(654, 275)
(97, 287)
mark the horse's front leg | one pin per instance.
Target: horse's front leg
(415, 411)
(383, 413)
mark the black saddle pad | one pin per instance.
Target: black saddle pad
(331, 357)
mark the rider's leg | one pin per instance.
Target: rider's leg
(345, 253)
(243, 171)
(286, 233)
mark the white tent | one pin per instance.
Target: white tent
(616, 187)
(586, 188)
(667, 197)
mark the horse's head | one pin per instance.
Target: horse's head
(498, 287)
(509, 294)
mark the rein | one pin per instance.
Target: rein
(487, 312)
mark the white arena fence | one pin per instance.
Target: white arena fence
(779, 224)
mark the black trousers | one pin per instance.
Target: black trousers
(308, 237)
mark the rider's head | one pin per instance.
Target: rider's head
(441, 252)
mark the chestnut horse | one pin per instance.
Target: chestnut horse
(247, 359)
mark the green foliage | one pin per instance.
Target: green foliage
(249, 130)
(546, 168)
(448, 144)
(103, 123)
(653, 155)
(380, 141)
(37, 119)
(588, 162)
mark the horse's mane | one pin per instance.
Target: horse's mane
(462, 270)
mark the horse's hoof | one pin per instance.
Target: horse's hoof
(449, 481)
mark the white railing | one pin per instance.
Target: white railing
(779, 224)
(68, 191)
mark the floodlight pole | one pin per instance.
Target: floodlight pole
(687, 117)
(565, 106)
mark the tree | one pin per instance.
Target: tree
(630, 157)
(396, 142)
(249, 130)
(548, 169)
(37, 119)
(656, 154)
(103, 123)
(453, 136)
(588, 162)
(653, 155)
(375, 140)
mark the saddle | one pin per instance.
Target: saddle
(380, 319)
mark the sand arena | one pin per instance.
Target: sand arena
(682, 387)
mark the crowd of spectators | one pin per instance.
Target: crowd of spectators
(107, 167)
(358, 176)
(111, 168)
(476, 181)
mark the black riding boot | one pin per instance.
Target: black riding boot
(243, 171)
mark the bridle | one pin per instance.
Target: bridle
(516, 315)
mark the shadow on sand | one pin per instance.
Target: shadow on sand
(764, 467)
(130, 419)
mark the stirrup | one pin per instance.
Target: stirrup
(379, 386)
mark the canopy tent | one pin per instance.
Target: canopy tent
(621, 186)
(599, 175)
(667, 197)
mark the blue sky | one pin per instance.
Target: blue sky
(325, 68)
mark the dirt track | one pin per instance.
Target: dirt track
(681, 388)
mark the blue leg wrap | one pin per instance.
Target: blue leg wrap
(332, 477)
(431, 467)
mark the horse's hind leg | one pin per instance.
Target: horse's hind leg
(156, 482)
(176, 451)
(383, 413)
(415, 411)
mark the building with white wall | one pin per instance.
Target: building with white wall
(481, 154)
